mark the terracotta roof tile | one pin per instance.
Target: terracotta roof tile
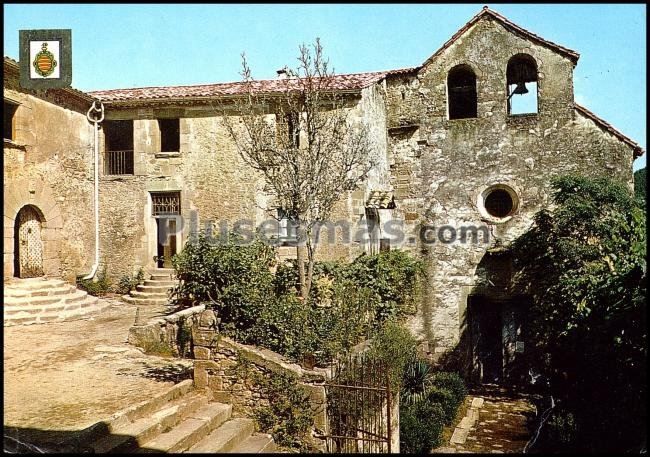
(338, 82)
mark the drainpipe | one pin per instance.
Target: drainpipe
(96, 121)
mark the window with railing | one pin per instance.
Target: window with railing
(118, 147)
(165, 203)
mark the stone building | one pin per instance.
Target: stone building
(468, 140)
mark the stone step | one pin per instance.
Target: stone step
(144, 301)
(139, 294)
(225, 438)
(258, 443)
(130, 436)
(22, 293)
(160, 283)
(32, 301)
(154, 289)
(79, 310)
(191, 430)
(33, 283)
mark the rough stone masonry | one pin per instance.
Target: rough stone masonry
(453, 154)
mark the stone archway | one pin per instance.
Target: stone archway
(28, 242)
(37, 196)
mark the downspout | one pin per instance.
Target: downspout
(96, 121)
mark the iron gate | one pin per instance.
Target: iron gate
(358, 406)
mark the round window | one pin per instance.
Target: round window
(499, 203)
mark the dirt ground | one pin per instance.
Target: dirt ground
(67, 376)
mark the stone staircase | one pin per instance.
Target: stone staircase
(154, 291)
(179, 420)
(41, 300)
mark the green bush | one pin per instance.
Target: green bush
(445, 399)
(394, 344)
(420, 427)
(98, 286)
(452, 383)
(235, 279)
(288, 416)
(127, 283)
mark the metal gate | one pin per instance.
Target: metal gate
(358, 406)
(30, 243)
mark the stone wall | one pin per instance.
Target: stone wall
(170, 334)
(49, 164)
(441, 167)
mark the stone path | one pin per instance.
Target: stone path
(66, 376)
(502, 425)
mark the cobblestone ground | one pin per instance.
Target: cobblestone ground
(67, 376)
(502, 426)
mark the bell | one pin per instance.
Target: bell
(520, 89)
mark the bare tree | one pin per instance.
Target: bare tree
(302, 140)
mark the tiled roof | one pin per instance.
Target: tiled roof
(338, 82)
(487, 12)
(638, 150)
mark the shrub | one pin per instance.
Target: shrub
(395, 346)
(446, 400)
(127, 283)
(288, 415)
(99, 287)
(452, 383)
(420, 427)
(233, 278)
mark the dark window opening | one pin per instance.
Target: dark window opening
(286, 229)
(499, 203)
(118, 150)
(293, 129)
(461, 87)
(521, 76)
(170, 136)
(384, 245)
(372, 221)
(8, 120)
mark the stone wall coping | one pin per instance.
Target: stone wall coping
(173, 318)
(272, 360)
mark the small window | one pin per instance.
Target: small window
(165, 203)
(461, 93)
(293, 129)
(521, 78)
(118, 147)
(9, 120)
(286, 229)
(170, 137)
(372, 222)
(499, 202)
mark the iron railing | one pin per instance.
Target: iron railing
(118, 162)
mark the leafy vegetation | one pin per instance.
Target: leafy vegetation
(98, 286)
(127, 283)
(584, 264)
(640, 184)
(288, 414)
(349, 301)
(429, 401)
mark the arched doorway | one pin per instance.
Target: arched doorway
(28, 243)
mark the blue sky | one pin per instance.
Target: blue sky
(125, 45)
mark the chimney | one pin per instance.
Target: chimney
(282, 73)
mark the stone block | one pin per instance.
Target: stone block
(477, 402)
(200, 377)
(201, 353)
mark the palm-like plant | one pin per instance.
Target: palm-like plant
(418, 380)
